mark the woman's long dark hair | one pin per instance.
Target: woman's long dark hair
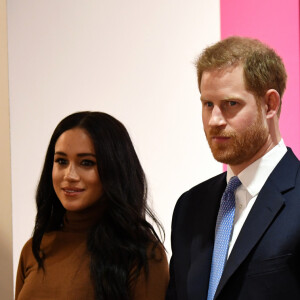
(118, 243)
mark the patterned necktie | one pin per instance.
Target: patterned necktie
(222, 235)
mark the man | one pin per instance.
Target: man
(249, 249)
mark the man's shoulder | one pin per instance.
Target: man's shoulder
(206, 187)
(197, 199)
(290, 156)
(211, 183)
(287, 168)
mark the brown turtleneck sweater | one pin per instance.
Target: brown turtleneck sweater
(67, 274)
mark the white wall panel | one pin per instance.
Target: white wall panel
(132, 59)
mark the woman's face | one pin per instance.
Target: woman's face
(75, 174)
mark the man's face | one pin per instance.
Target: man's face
(235, 126)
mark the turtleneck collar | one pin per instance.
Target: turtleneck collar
(82, 221)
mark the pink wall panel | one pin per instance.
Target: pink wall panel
(276, 23)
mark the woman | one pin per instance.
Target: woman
(91, 239)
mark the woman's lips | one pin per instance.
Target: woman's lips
(71, 191)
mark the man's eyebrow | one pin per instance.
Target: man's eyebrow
(229, 98)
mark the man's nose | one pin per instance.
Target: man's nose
(217, 119)
(71, 173)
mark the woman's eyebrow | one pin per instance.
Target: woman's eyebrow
(60, 153)
(79, 154)
(86, 154)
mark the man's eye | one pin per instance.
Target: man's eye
(88, 163)
(232, 103)
(208, 104)
(61, 161)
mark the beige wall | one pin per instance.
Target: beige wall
(132, 59)
(6, 264)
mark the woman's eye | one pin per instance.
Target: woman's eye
(88, 163)
(61, 161)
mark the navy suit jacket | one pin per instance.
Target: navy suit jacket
(265, 260)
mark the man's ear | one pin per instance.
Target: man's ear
(272, 103)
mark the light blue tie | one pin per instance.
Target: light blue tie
(222, 235)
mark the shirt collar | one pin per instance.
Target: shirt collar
(254, 176)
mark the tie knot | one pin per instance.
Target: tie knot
(233, 184)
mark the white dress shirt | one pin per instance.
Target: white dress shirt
(252, 178)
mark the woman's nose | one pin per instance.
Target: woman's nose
(71, 173)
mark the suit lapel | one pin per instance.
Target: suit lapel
(259, 219)
(267, 206)
(203, 240)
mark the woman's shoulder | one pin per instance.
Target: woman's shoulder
(158, 261)
(156, 251)
(26, 251)
(25, 261)
(27, 248)
(154, 283)
(26, 257)
(28, 245)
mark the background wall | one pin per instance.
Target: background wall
(6, 272)
(132, 59)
